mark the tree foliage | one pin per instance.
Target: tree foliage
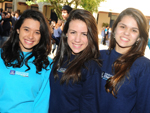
(90, 5)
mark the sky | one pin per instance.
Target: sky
(119, 5)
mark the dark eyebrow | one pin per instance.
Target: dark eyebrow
(25, 27)
(75, 31)
(29, 28)
(84, 32)
(132, 27)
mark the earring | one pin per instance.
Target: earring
(136, 43)
(114, 35)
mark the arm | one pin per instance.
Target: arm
(143, 91)
(89, 102)
(41, 102)
(62, 26)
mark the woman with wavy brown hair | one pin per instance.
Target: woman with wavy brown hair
(125, 86)
(75, 76)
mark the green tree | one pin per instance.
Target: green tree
(90, 5)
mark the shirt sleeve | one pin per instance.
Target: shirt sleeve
(143, 89)
(41, 103)
(89, 102)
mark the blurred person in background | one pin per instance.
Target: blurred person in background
(6, 27)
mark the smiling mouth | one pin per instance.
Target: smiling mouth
(77, 45)
(28, 42)
(124, 39)
(25, 47)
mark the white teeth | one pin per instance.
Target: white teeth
(77, 45)
(28, 41)
(125, 39)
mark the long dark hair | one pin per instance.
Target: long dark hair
(11, 50)
(123, 64)
(91, 52)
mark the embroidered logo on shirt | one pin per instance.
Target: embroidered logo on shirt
(62, 70)
(23, 74)
(12, 72)
(105, 76)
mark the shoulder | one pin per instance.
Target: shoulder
(141, 66)
(92, 67)
(142, 61)
(59, 29)
(103, 53)
(50, 60)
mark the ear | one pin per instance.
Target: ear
(66, 34)
(18, 31)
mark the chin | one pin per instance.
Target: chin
(76, 52)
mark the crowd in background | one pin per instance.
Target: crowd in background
(105, 35)
(7, 21)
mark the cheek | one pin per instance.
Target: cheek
(135, 37)
(39, 38)
(118, 32)
(69, 40)
(20, 36)
(85, 42)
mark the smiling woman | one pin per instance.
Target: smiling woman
(126, 34)
(25, 66)
(77, 36)
(125, 86)
(75, 76)
(29, 34)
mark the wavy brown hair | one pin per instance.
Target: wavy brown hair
(123, 64)
(11, 51)
(91, 52)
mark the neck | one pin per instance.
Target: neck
(121, 50)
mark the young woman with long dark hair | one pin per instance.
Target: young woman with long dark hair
(125, 86)
(75, 76)
(25, 66)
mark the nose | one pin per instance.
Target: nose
(31, 35)
(77, 38)
(127, 31)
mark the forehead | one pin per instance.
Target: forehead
(64, 11)
(31, 23)
(78, 25)
(129, 21)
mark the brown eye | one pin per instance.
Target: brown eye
(122, 26)
(134, 31)
(26, 29)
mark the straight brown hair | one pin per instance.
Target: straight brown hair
(123, 64)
